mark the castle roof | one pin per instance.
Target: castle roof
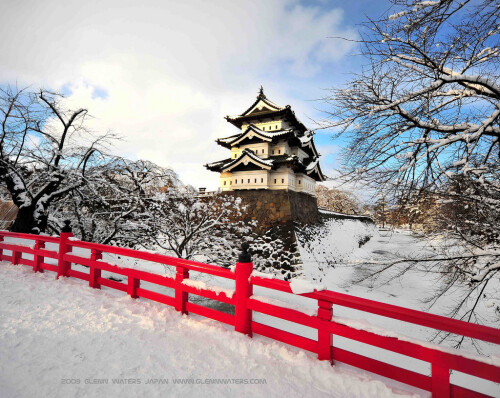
(247, 157)
(264, 108)
(251, 132)
(303, 140)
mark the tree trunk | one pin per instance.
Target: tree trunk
(26, 223)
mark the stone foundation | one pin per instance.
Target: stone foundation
(277, 208)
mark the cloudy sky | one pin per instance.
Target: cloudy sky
(163, 74)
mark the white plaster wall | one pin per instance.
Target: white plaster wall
(257, 179)
(300, 153)
(280, 148)
(261, 148)
(274, 180)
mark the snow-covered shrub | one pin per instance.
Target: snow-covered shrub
(276, 253)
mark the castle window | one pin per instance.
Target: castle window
(242, 180)
(236, 181)
(282, 180)
(249, 180)
(276, 127)
(299, 182)
(224, 182)
(264, 128)
(275, 180)
(279, 152)
(230, 183)
(261, 180)
(255, 181)
(273, 152)
(262, 151)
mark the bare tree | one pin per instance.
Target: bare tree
(337, 200)
(45, 152)
(186, 225)
(111, 207)
(425, 111)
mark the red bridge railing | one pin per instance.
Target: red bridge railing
(442, 360)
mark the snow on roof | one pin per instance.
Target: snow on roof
(269, 134)
(307, 137)
(256, 158)
(251, 155)
(311, 166)
(217, 164)
(228, 139)
(261, 97)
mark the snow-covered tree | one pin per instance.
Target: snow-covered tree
(337, 200)
(46, 152)
(111, 206)
(424, 112)
(189, 226)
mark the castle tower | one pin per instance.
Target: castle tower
(272, 151)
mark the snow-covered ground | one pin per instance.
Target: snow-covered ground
(334, 259)
(59, 338)
(140, 339)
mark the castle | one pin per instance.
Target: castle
(272, 151)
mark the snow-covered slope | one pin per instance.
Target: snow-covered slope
(332, 242)
(56, 336)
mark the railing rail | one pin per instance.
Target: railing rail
(442, 360)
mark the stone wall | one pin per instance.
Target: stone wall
(277, 208)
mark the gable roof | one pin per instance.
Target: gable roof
(262, 108)
(246, 157)
(251, 132)
(307, 141)
(262, 104)
(313, 168)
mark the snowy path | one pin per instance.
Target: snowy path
(58, 332)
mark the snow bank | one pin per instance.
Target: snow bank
(57, 337)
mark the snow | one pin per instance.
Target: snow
(284, 304)
(367, 326)
(337, 241)
(60, 338)
(334, 213)
(312, 165)
(202, 285)
(258, 274)
(332, 243)
(397, 15)
(300, 286)
(332, 257)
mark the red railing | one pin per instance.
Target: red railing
(442, 360)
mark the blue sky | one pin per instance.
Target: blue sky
(163, 74)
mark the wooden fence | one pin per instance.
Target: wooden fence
(441, 360)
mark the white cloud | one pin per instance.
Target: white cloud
(167, 72)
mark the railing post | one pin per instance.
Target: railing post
(133, 285)
(64, 266)
(181, 297)
(37, 259)
(325, 313)
(15, 257)
(440, 381)
(95, 273)
(243, 291)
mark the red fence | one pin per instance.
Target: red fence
(442, 361)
